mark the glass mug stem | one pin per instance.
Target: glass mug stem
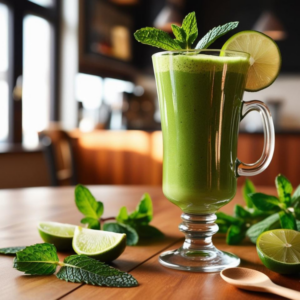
(198, 254)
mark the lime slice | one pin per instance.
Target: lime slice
(102, 245)
(279, 250)
(58, 234)
(265, 58)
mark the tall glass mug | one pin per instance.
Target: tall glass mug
(200, 96)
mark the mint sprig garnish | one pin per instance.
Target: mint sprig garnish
(134, 225)
(42, 259)
(189, 25)
(262, 212)
(11, 250)
(214, 34)
(157, 38)
(87, 204)
(185, 35)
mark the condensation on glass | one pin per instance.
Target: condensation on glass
(4, 65)
(36, 77)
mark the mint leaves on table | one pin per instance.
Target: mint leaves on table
(132, 236)
(39, 259)
(262, 212)
(42, 259)
(81, 268)
(87, 204)
(214, 34)
(185, 35)
(11, 250)
(134, 225)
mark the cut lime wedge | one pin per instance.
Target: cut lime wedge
(102, 245)
(58, 234)
(265, 58)
(279, 250)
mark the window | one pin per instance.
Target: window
(36, 77)
(45, 3)
(4, 64)
(99, 98)
(29, 69)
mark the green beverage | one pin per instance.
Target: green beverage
(200, 95)
(200, 98)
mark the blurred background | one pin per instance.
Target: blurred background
(78, 100)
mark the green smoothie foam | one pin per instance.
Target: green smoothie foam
(200, 103)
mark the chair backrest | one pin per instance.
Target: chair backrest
(59, 153)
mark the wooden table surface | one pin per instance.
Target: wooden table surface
(21, 209)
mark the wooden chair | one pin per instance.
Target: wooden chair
(59, 153)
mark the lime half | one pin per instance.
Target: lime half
(58, 234)
(279, 250)
(265, 58)
(102, 245)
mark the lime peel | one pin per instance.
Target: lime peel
(102, 245)
(279, 250)
(265, 60)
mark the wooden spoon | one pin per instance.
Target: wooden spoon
(253, 280)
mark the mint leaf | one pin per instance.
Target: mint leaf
(296, 207)
(81, 268)
(132, 236)
(223, 226)
(248, 188)
(215, 33)
(123, 215)
(298, 225)
(92, 223)
(87, 204)
(287, 220)
(272, 222)
(229, 219)
(143, 213)
(241, 212)
(11, 250)
(180, 34)
(138, 221)
(156, 38)
(265, 202)
(39, 259)
(148, 232)
(296, 195)
(235, 235)
(284, 189)
(189, 25)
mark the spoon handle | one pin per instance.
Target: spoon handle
(285, 292)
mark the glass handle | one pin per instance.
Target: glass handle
(244, 169)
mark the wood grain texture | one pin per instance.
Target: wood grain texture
(21, 209)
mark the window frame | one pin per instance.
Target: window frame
(18, 9)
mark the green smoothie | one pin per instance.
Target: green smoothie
(200, 104)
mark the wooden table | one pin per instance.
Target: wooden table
(21, 209)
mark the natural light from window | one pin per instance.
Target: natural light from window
(36, 77)
(45, 3)
(3, 72)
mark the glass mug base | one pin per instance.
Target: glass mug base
(198, 254)
(220, 261)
